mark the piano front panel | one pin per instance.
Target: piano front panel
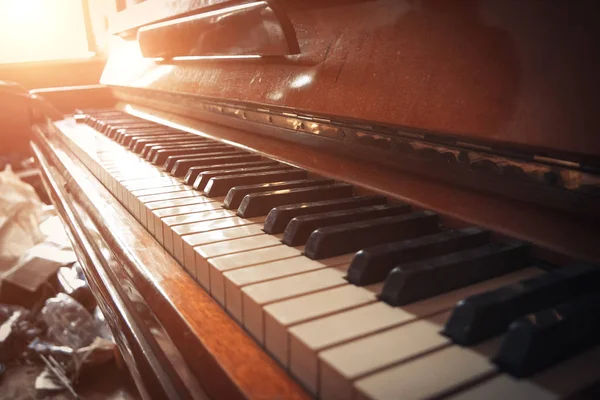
(336, 339)
(522, 73)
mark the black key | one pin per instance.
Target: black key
(137, 143)
(182, 165)
(194, 172)
(484, 315)
(346, 238)
(279, 217)
(202, 177)
(188, 144)
(149, 150)
(236, 195)
(300, 228)
(590, 392)
(116, 131)
(125, 137)
(220, 185)
(161, 156)
(104, 124)
(373, 264)
(542, 339)
(122, 124)
(423, 279)
(254, 205)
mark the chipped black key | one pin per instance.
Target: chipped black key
(346, 238)
(201, 178)
(423, 279)
(373, 264)
(236, 195)
(300, 228)
(279, 217)
(256, 204)
(542, 339)
(484, 315)
(182, 165)
(220, 185)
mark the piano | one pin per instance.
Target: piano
(342, 199)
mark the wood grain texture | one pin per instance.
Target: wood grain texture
(225, 361)
(549, 229)
(519, 72)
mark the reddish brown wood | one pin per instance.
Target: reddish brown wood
(224, 360)
(522, 72)
(550, 229)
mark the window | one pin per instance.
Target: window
(38, 30)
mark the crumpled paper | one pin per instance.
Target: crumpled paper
(21, 212)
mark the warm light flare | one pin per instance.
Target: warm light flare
(34, 30)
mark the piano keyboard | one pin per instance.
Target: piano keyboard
(356, 296)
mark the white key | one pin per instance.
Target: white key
(137, 202)
(340, 366)
(168, 196)
(307, 339)
(552, 384)
(430, 375)
(255, 297)
(149, 192)
(179, 231)
(164, 189)
(235, 280)
(194, 199)
(154, 218)
(169, 222)
(198, 239)
(214, 259)
(279, 316)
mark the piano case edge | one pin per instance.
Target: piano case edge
(174, 338)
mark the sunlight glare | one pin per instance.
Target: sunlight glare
(33, 30)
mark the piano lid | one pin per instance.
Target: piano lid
(518, 74)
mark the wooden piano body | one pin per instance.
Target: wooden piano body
(482, 111)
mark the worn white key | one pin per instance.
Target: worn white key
(340, 366)
(149, 192)
(154, 218)
(214, 259)
(255, 297)
(196, 198)
(148, 207)
(179, 232)
(169, 222)
(430, 375)
(198, 239)
(124, 189)
(552, 384)
(281, 315)
(307, 339)
(235, 280)
(169, 196)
